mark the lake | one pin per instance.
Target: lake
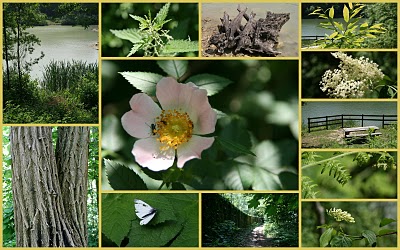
(315, 109)
(64, 43)
(310, 27)
(288, 36)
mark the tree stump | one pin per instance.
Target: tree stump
(256, 36)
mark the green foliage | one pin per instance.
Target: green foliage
(175, 223)
(349, 33)
(152, 39)
(366, 231)
(69, 94)
(352, 168)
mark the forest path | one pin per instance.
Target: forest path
(256, 238)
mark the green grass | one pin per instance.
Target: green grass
(334, 138)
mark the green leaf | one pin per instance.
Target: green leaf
(161, 15)
(341, 241)
(143, 81)
(139, 19)
(233, 146)
(387, 231)
(134, 49)
(386, 221)
(325, 237)
(351, 6)
(117, 215)
(123, 178)
(331, 12)
(333, 35)
(133, 35)
(212, 83)
(289, 180)
(174, 68)
(370, 236)
(346, 14)
(178, 46)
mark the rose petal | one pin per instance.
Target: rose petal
(188, 97)
(147, 154)
(137, 122)
(193, 148)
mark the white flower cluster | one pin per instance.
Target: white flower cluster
(340, 215)
(355, 78)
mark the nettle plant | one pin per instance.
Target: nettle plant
(152, 39)
(335, 233)
(357, 78)
(333, 167)
(349, 33)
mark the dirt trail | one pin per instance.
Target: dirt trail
(256, 238)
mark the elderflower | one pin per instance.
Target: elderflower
(355, 78)
(174, 128)
(340, 215)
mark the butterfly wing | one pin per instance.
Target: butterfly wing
(144, 211)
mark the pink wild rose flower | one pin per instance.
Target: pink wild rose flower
(174, 128)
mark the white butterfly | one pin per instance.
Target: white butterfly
(144, 211)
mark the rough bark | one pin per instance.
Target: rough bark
(41, 216)
(259, 36)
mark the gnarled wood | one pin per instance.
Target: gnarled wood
(259, 36)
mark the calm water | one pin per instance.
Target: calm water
(64, 43)
(288, 37)
(310, 27)
(315, 109)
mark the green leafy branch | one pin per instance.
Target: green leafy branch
(335, 236)
(152, 39)
(335, 168)
(349, 33)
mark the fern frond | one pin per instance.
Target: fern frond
(309, 157)
(337, 170)
(307, 187)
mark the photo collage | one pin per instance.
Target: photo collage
(199, 124)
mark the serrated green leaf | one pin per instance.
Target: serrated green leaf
(331, 12)
(346, 14)
(161, 15)
(233, 146)
(143, 81)
(175, 68)
(179, 46)
(123, 178)
(117, 215)
(386, 221)
(341, 241)
(139, 19)
(133, 35)
(212, 83)
(325, 237)
(370, 236)
(134, 49)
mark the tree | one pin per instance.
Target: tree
(50, 187)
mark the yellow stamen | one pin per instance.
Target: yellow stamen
(173, 128)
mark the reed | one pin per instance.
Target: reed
(61, 75)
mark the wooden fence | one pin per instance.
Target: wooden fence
(326, 121)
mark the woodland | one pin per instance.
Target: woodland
(67, 92)
(50, 186)
(249, 220)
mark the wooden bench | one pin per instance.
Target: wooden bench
(353, 132)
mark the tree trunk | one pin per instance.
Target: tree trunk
(44, 201)
(18, 46)
(5, 47)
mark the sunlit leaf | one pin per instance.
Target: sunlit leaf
(175, 68)
(346, 14)
(133, 35)
(178, 46)
(331, 12)
(144, 81)
(212, 83)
